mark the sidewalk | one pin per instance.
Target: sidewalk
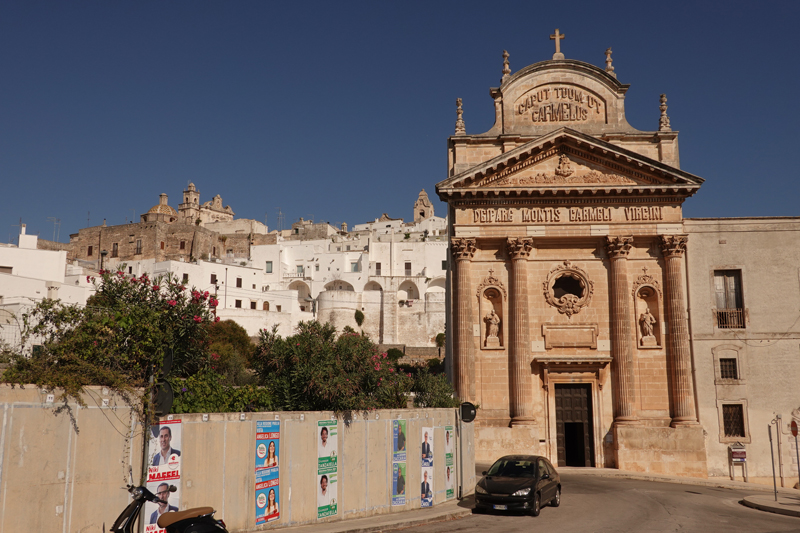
(787, 505)
(451, 510)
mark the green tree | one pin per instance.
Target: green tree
(316, 370)
(231, 352)
(117, 340)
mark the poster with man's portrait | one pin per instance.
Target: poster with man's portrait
(163, 470)
(327, 468)
(398, 484)
(426, 490)
(427, 447)
(399, 441)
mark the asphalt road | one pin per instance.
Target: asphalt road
(592, 503)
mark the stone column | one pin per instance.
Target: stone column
(519, 369)
(621, 334)
(673, 247)
(464, 359)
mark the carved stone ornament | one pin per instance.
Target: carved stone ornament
(568, 304)
(519, 248)
(506, 67)
(491, 281)
(592, 177)
(673, 245)
(463, 249)
(460, 127)
(564, 169)
(618, 247)
(663, 122)
(646, 280)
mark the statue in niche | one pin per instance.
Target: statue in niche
(492, 330)
(646, 323)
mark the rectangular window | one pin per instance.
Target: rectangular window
(729, 301)
(728, 369)
(162, 245)
(115, 250)
(183, 245)
(299, 270)
(89, 251)
(138, 250)
(254, 285)
(238, 304)
(278, 308)
(269, 267)
(130, 270)
(252, 305)
(408, 269)
(213, 279)
(444, 264)
(353, 267)
(238, 283)
(377, 269)
(316, 267)
(6, 270)
(733, 420)
(186, 278)
(348, 247)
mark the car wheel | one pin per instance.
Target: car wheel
(537, 504)
(557, 498)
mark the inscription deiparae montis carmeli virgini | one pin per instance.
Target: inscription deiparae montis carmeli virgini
(558, 215)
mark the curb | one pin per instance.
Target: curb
(763, 503)
(702, 482)
(455, 515)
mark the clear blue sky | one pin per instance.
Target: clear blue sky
(341, 110)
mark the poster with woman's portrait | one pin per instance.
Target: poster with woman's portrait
(327, 468)
(268, 442)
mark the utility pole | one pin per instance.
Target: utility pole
(56, 222)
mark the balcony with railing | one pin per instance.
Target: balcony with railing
(730, 318)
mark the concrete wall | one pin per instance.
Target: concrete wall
(53, 479)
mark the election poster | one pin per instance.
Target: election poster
(399, 441)
(268, 442)
(327, 468)
(450, 472)
(426, 493)
(398, 484)
(427, 447)
(163, 470)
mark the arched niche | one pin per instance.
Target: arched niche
(491, 298)
(647, 299)
(373, 286)
(408, 290)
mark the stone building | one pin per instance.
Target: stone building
(570, 287)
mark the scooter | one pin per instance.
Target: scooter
(196, 520)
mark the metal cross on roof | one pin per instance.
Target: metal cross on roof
(557, 38)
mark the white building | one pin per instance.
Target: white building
(28, 275)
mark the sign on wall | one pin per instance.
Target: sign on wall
(426, 491)
(163, 470)
(327, 468)
(450, 472)
(398, 462)
(268, 439)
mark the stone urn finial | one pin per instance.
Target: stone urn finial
(460, 128)
(609, 66)
(663, 122)
(506, 67)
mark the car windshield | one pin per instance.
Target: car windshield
(512, 468)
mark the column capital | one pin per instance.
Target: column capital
(673, 245)
(462, 249)
(519, 247)
(618, 247)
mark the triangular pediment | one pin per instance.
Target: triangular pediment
(569, 160)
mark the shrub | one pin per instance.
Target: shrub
(206, 392)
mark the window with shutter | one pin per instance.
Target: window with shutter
(729, 300)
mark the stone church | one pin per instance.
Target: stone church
(569, 323)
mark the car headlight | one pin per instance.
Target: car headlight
(480, 490)
(522, 492)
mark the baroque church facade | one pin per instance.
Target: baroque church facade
(569, 319)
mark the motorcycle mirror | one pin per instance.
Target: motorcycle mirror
(173, 488)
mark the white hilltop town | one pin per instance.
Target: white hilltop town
(393, 271)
